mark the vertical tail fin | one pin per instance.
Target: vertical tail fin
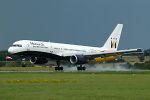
(113, 40)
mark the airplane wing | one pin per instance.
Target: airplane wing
(114, 53)
(107, 54)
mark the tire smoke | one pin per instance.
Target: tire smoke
(101, 68)
(110, 68)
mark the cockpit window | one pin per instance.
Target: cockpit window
(16, 45)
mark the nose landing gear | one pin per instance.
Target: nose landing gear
(23, 59)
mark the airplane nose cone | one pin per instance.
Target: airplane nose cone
(11, 50)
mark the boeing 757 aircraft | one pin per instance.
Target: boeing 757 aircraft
(39, 51)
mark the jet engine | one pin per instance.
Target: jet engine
(38, 60)
(78, 59)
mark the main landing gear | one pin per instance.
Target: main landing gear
(58, 68)
(81, 68)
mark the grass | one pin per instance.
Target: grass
(26, 69)
(89, 86)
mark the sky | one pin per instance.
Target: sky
(80, 22)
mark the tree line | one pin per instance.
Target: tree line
(4, 53)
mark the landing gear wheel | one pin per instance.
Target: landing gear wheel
(24, 65)
(84, 68)
(58, 68)
(81, 68)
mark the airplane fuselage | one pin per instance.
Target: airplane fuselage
(53, 50)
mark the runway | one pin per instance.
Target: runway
(74, 71)
(116, 68)
(25, 71)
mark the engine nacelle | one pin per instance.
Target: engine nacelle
(38, 60)
(78, 59)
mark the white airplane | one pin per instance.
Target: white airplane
(39, 51)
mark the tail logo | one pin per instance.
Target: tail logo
(113, 42)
